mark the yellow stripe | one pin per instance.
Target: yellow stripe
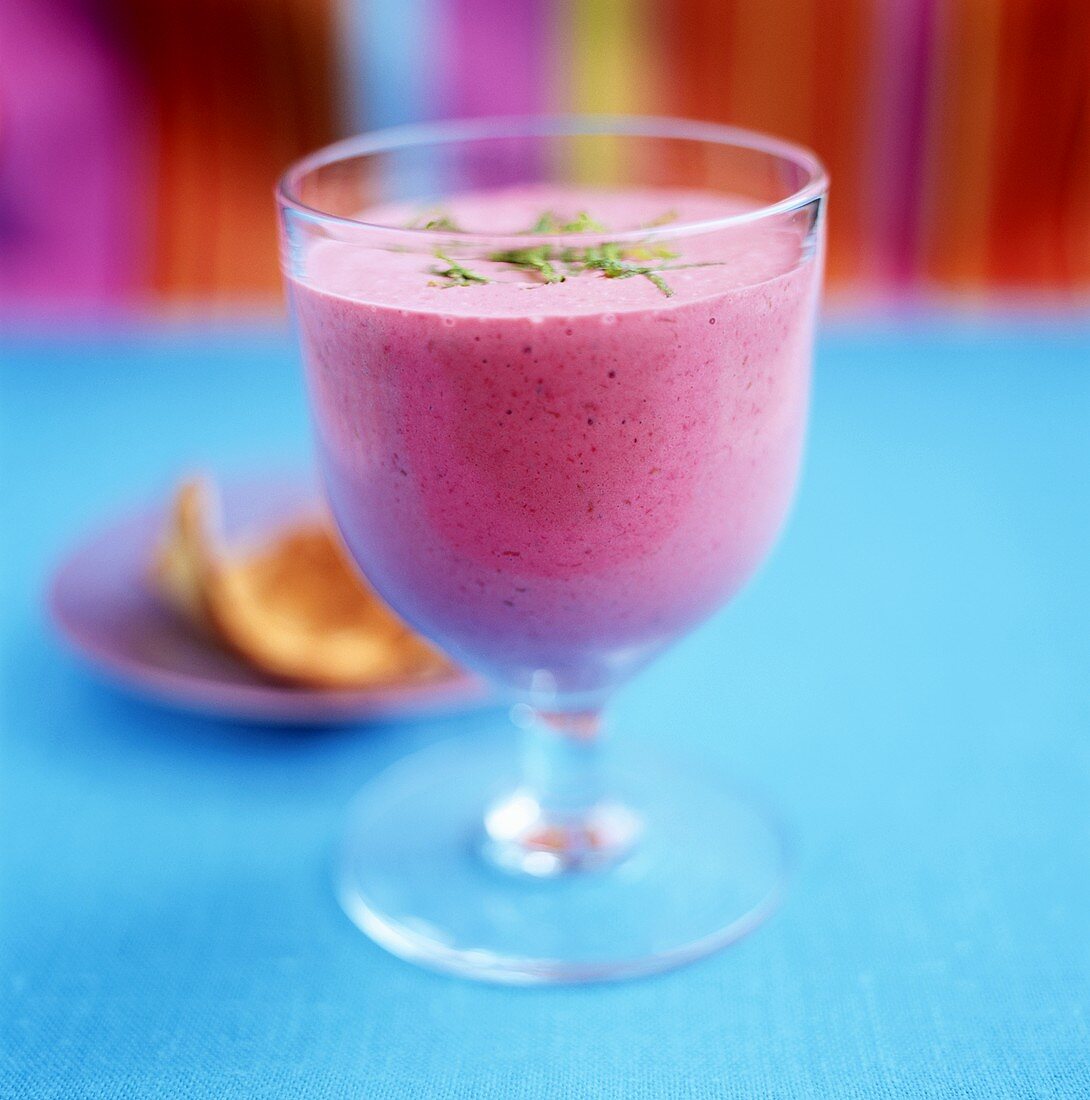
(608, 71)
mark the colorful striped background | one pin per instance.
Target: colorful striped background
(957, 132)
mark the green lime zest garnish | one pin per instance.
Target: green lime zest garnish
(455, 273)
(552, 264)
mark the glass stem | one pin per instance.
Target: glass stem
(561, 817)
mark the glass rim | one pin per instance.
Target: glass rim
(456, 131)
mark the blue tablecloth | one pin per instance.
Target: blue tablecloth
(907, 680)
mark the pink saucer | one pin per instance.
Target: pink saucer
(103, 605)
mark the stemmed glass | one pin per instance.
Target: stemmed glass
(554, 446)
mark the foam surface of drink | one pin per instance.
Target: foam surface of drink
(390, 273)
(561, 477)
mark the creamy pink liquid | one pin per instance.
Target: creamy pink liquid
(564, 477)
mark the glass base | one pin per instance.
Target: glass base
(416, 874)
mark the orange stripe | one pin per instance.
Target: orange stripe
(1042, 141)
(771, 52)
(695, 35)
(842, 96)
(959, 175)
(241, 89)
(687, 38)
(1075, 190)
(181, 220)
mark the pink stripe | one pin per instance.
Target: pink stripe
(73, 180)
(494, 63)
(906, 243)
(497, 57)
(904, 58)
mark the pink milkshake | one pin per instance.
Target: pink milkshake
(561, 477)
(559, 426)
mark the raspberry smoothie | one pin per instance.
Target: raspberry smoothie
(561, 477)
